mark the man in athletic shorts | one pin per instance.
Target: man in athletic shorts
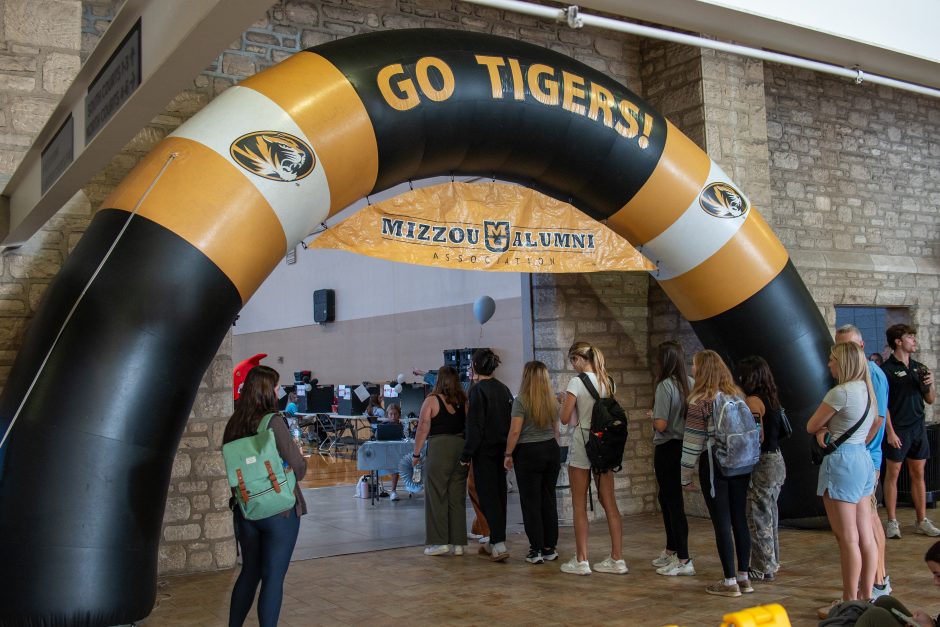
(910, 385)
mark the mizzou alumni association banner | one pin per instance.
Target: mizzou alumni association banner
(483, 226)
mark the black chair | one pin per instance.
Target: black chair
(334, 429)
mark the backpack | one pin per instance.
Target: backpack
(263, 482)
(608, 434)
(737, 437)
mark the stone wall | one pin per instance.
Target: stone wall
(855, 172)
(39, 57)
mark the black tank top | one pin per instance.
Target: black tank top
(447, 423)
(771, 424)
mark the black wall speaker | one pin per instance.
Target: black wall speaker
(324, 306)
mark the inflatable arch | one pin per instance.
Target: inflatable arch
(190, 234)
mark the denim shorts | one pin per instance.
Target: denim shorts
(847, 473)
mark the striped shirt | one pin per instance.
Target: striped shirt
(698, 428)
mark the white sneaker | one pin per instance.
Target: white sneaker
(927, 528)
(458, 550)
(437, 549)
(892, 530)
(612, 566)
(665, 558)
(484, 540)
(574, 567)
(677, 568)
(474, 536)
(884, 590)
(393, 496)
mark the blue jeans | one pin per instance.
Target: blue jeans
(266, 546)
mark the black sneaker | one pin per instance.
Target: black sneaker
(535, 557)
(549, 554)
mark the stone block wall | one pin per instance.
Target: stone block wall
(855, 182)
(39, 57)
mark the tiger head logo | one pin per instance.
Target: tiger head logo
(722, 200)
(273, 155)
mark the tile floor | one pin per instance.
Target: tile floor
(401, 586)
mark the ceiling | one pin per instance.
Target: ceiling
(900, 42)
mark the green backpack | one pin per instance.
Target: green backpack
(263, 483)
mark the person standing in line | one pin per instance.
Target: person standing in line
(846, 476)
(488, 417)
(668, 414)
(532, 447)
(479, 529)
(266, 544)
(728, 506)
(850, 333)
(910, 385)
(441, 424)
(577, 409)
(768, 475)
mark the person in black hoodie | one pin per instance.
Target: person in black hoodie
(489, 411)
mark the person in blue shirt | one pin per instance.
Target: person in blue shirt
(850, 333)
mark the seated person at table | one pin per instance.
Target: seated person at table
(374, 409)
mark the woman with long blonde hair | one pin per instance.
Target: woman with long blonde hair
(847, 476)
(589, 361)
(728, 506)
(532, 447)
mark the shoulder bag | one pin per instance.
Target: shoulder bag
(818, 453)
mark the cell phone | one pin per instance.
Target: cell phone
(901, 616)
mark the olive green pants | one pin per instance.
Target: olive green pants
(445, 492)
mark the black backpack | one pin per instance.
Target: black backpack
(608, 434)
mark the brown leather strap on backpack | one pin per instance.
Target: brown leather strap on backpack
(272, 477)
(241, 486)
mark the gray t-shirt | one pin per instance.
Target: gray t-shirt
(670, 406)
(849, 400)
(530, 433)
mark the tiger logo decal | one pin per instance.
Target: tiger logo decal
(722, 200)
(274, 155)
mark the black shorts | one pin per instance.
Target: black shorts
(914, 445)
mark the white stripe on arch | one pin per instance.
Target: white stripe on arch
(693, 238)
(299, 205)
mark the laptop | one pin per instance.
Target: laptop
(389, 431)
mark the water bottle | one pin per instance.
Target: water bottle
(416, 474)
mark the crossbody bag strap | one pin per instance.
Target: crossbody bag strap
(848, 434)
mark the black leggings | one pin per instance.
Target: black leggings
(267, 545)
(728, 510)
(666, 458)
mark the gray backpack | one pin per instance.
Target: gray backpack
(737, 437)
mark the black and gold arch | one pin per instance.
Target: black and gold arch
(207, 215)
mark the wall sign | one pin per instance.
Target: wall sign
(58, 154)
(117, 80)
